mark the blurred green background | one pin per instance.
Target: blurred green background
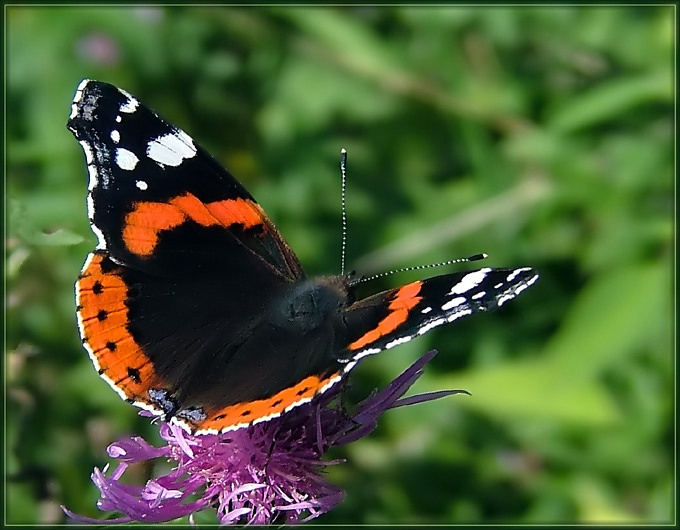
(542, 136)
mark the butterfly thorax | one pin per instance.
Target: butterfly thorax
(310, 305)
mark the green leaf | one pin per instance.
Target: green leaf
(616, 314)
(24, 228)
(536, 391)
(609, 100)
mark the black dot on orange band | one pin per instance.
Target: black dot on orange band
(300, 392)
(79, 308)
(277, 402)
(111, 346)
(220, 416)
(134, 374)
(97, 288)
(102, 315)
(246, 413)
(100, 371)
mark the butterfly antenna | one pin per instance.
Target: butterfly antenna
(476, 257)
(343, 171)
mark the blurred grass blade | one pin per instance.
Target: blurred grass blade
(609, 100)
(615, 315)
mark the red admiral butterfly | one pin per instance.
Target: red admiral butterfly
(193, 306)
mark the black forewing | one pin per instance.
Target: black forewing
(110, 124)
(204, 288)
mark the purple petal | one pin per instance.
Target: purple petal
(135, 449)
(257, 475)
(181, 440)
(234, 515)
(428, 396)
(83, 519)
(139, 503)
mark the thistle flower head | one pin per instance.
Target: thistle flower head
(267, 473)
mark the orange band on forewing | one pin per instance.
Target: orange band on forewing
(404, 300)
(144, 224)
(194, 209)
(237, 211)
(104, 318)
(233, 415)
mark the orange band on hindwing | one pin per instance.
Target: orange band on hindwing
(233, 416)
(103, 317)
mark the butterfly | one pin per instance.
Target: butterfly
(194, 307)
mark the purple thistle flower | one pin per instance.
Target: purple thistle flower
(268, 472)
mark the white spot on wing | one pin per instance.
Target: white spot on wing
(504, 298)
(365, 353)
(101, 242)
(115, 136)
(479, 295)
(142, 185)
(94, 177)
(431, 325)
(93, 181)
(470, 281)
(458, 314)
(397, 342)
(453, 303)
(77, 98)
(80, 88)
(90, 206)
(516, 273)
(517, 290)
(88, 152)
(426, 310)
(350, 365)
(171, 149)
(130, 105)
(125, 159)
